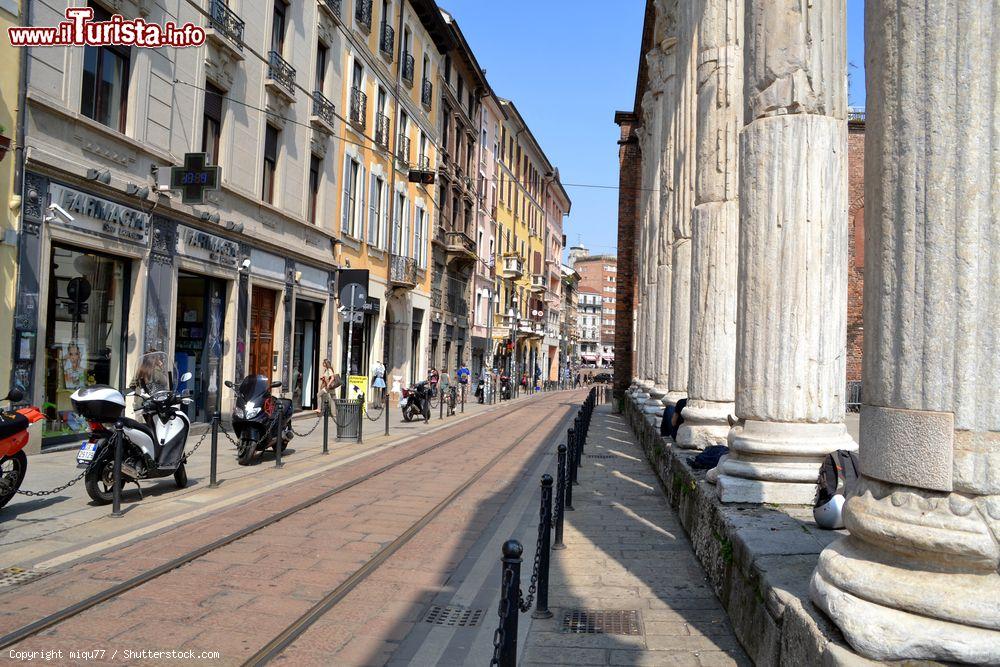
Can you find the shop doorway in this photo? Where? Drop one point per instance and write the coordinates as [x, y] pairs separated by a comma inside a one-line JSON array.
[[198, 340], [262, 355], [305, 359], [85, 334]]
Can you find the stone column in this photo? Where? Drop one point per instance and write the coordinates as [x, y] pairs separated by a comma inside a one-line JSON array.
[[917, 579], [792, 294], [715, 227], [642, 383], [680, 293]]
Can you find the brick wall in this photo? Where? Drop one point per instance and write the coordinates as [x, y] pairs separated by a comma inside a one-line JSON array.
[[856, 246], [629, 164]]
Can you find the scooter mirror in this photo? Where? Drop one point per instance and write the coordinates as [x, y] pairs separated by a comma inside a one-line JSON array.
[[187, 376], [228, 383], [14, 395], [187, 401], [275, 385]]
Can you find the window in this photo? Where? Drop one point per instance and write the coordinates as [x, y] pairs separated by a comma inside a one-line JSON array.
[[315, 169], [397, 226], [322, 55], [404, 215], [353, 178], [105, 81], [447, 69], [376, 211], [420, 238], [211, 128], [278, 27], [270, 163]]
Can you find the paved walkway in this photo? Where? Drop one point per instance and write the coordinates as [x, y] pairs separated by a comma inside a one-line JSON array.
[[626, 550]]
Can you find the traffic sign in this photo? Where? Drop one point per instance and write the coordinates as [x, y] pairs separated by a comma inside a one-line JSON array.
[[194, 178]]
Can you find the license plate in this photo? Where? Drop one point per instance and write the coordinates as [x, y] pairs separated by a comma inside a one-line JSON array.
[[87, 452]]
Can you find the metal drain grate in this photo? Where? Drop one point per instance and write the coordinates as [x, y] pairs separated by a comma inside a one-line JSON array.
[[15, 576], [460, 617], [602, 622], [601, 456]]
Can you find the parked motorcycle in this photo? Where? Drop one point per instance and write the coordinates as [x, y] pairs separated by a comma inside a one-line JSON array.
[[506, 388], [416, 402], [256, 417], [13, 438], [152, 448], [481, 390]]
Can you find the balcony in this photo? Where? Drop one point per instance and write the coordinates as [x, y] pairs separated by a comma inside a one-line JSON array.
[[409, 65], [436, 298], [460, 247], [280, 76], [427, 94], [331, 8], [382, 130], [387, 41], [423, 163], [225, 28], [513, 267], [403, 272], [363, 14], [403, 150], [537, 283], [359, 108], [324, 114]]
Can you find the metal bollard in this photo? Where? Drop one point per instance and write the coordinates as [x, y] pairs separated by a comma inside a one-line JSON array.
[[361, 418], [116, 492], [326, 425], [578, 431], [281, 431], [463, 399], [570, 469], [560, 496], [542, 604], [440, 403], [213, 470], [385, 407], [510, 582]]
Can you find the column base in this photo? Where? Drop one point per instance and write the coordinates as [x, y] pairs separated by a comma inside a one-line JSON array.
[[778, 462], [894, 608], [654, 405], [670, 400], [705, 424]]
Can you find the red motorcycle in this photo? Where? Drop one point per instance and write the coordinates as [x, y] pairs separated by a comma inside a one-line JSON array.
[[13, 438]]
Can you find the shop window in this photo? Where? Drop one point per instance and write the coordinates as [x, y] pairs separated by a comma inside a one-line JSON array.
[[212, 123], [105, 81], [85, 334], [198, 341], [270, 163]]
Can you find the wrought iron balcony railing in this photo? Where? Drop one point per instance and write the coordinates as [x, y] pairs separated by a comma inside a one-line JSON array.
[[363, 13], [423, 163], [227, 22], [332, 7], [382, 130], [324, 109], [359, 108], [403, 149], [403, 270], [427, 93], [279, 70], [387, 41], [409, 65], [436, 297]]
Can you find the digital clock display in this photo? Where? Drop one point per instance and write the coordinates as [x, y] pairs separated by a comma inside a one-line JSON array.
[[194, 178]]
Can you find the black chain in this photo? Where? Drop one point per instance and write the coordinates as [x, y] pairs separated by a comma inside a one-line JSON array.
[[58, 489], [197, 445], [233, 442], [377, 416], [525, 603], [498, 637], [319, 419]]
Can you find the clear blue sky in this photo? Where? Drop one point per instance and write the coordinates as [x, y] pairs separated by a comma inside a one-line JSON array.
[[569, 65]]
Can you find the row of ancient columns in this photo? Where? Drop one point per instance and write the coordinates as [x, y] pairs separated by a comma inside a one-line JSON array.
[[742, 290]]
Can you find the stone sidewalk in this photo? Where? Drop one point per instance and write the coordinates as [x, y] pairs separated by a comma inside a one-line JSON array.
[[626, 551]]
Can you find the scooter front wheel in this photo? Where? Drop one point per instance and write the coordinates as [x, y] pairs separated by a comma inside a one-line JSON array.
[[12, 470], [100, 483], [246, 451], [181, 477]]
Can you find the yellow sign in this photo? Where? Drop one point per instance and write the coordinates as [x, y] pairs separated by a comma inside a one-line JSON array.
[[357, 386]]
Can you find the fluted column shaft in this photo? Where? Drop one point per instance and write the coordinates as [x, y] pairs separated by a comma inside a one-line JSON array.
[[715, 227], [792, 283], [918, 576]]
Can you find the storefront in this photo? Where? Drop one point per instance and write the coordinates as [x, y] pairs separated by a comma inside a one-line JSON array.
[[306, 353]]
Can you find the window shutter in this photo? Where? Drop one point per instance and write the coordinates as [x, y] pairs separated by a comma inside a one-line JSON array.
[[406, 229], [346, 204], [359, 219], [372, 229]]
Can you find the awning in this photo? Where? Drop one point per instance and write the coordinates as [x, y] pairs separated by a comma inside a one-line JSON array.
[[589, 357]]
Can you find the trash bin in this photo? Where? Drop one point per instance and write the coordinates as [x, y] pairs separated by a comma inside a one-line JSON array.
[[347, 417]]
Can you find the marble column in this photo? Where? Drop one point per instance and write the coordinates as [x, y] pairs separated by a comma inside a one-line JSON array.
[[715, 227], [642, 382], [664, 252], [689, 13], [917, 578], [792, 283]]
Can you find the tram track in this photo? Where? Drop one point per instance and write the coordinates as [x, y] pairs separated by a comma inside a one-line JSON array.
[[53, 619]]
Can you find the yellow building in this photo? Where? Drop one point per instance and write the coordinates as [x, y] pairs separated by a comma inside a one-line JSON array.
[[10, 80], [390, 134], [521, 311]]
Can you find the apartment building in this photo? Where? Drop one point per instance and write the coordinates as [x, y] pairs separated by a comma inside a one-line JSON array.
[[589, 314], [599, 275]]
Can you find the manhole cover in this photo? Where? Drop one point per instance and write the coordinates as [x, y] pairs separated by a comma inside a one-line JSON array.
[[602, 622], [461, 617], [601, 456], [14, 576]]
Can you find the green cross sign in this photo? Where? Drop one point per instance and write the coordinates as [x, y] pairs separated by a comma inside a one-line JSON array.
[[194, 178]]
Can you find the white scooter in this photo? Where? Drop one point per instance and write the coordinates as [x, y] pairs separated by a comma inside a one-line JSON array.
[[151, 448]]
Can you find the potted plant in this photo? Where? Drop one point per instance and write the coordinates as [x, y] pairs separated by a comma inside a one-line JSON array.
[[4, 142]]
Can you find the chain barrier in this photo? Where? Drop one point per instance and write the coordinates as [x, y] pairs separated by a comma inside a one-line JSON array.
[[234, 443], [319, 420], [197, 445], [498, 637], [58, 489], [526, 602], [378, 415]]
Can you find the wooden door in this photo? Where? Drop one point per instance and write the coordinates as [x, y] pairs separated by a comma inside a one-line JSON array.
[[261, 331]]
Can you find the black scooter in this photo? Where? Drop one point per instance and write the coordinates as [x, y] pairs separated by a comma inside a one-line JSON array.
[[506, 388], [257, 416], [416, 402]]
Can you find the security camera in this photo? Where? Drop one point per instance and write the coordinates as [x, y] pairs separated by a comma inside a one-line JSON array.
[[56, 209], [246, 264]]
